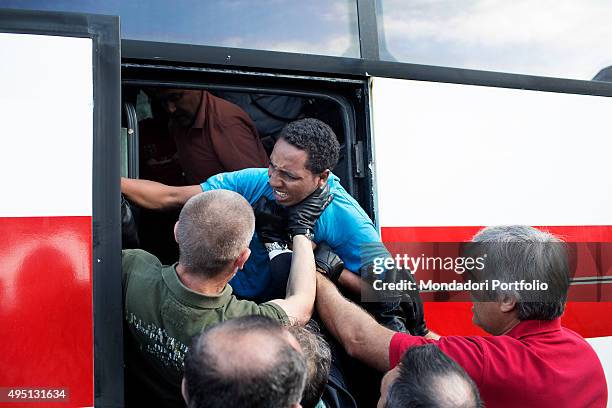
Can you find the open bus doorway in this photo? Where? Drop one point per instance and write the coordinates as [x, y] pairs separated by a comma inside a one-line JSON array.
[[155, 154]]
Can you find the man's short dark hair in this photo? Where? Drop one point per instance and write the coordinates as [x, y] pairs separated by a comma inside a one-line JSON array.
[[518, 252], [244, 362], [428, 378], [317, 139], [318, 361]]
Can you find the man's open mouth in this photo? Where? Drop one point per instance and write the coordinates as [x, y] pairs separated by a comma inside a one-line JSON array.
[[280, 194]]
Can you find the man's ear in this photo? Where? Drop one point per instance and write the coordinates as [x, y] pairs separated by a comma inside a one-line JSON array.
[[175, 227], [507, 304], [242, 258], [184, 391], [323, 177]]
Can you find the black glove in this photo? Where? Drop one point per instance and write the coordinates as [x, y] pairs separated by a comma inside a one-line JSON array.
[[328, 262], [302, 216], [270, 221], [412, 306]]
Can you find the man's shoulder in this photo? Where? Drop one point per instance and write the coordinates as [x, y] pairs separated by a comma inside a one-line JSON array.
[[139, 256], [137, 260], [255, 173], [344, 209], [239, 307], [579, 344], [249, 176], [343, 201], [228, 113]]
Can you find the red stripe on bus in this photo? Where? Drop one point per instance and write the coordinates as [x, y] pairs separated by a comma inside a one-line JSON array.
[[574, 233], [46, 305], [590, 319], [455, 318]]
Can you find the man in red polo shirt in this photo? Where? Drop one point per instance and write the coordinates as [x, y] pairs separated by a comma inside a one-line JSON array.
[[529, 361]]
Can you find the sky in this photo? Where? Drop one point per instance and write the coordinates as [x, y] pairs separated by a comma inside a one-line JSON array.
[[325, 27], [559, 38]]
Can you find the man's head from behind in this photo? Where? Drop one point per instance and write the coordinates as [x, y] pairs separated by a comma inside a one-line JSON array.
[[214, 231], [181, 104], [318, 361], [245, 362], [427, 378], [301, 160], [515, 254]]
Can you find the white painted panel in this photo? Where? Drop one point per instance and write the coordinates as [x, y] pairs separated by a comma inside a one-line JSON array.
[[460, 155], [603, 348], [46, 125]]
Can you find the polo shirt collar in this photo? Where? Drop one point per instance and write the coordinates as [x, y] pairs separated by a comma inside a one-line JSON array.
[[200, 118], [531, 327], [190, 297]]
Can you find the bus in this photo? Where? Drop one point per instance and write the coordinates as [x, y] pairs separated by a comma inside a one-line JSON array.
[[450, 117]]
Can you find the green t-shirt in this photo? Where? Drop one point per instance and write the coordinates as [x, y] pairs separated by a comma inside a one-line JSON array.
[[161, 317]]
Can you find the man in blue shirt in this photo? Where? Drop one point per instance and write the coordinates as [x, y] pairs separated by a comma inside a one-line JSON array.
[[300, 163]]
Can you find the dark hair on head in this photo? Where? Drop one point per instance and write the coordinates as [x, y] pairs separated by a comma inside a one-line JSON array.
[[428, 378], [317, 139], [318, 361], [519, 252], [222, 371]]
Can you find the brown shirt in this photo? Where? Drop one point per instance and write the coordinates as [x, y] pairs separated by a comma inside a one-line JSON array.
[[222, 138]]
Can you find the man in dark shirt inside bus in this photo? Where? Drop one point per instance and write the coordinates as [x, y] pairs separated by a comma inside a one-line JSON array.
[[211, 134]]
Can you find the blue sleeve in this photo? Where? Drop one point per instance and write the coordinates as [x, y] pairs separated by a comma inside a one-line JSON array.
[[249, 183], [347, 229]]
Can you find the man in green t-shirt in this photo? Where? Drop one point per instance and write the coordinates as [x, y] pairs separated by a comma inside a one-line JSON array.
[[165, 306]]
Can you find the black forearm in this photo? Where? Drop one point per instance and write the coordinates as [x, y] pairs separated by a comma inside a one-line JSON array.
[[154, 195]]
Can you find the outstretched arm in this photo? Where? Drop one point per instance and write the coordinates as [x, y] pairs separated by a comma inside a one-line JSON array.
[[301, 284], [157, 196], [360, 335]]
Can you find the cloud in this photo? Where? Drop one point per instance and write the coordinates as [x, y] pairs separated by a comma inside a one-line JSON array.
[[341, 12], [339, 45], [563, 38]]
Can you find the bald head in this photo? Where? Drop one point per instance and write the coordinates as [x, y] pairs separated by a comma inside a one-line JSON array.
[[227, 347], [250, 361], [429, 378], [214, 227], [453, 390]]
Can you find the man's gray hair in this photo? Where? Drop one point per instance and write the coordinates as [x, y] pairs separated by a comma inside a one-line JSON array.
[[248, 361], [518, 252], [213, 228], [318, 361], [429, 378]]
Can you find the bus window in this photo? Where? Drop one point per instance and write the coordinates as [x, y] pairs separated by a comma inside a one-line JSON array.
[[568, 39], [323, 27]]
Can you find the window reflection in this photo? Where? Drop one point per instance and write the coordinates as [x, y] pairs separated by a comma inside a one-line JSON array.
[[324, 27], [558, 38]]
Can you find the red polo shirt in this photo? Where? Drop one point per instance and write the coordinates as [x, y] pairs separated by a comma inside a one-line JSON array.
[[537, 364]]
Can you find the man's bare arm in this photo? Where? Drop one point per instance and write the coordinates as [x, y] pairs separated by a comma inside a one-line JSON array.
[[360, 335], [301, 284], [157, 196]]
